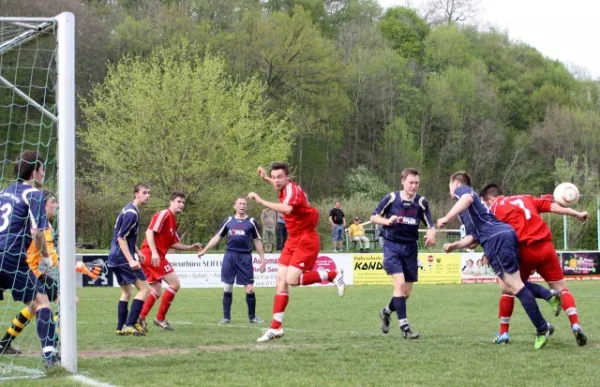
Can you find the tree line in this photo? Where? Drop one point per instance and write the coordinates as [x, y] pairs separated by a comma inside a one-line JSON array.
[[193, 95]]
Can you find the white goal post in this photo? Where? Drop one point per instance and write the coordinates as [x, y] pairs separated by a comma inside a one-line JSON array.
[[65, 119]]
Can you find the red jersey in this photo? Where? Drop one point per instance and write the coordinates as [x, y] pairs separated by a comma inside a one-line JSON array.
[[303, 217], [164, 226], [522, 212]]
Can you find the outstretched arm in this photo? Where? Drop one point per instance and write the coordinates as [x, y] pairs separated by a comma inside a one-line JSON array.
[[462, 204], [261, 253], [556, 208], [279, 207], [465, 242], [211, 244], [263, 175]]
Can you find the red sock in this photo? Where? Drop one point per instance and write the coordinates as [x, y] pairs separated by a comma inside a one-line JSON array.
[[568, 305], [331, 275], [309, 278], [505, 311], [148, 304], [281, 301], [165, 304]]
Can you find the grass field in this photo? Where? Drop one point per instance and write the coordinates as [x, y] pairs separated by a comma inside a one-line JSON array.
[[332, 341]]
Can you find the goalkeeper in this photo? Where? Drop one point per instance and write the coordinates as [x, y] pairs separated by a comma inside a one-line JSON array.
[[39, 266]]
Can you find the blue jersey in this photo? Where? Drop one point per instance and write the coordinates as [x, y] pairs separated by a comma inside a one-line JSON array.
[[478, 221], [240, 233], [126, 227], [22, 209], [410, 214]]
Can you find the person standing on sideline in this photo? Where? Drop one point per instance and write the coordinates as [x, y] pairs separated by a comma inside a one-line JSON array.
[[268, 218], [161, 236], [301, 250], [126, 269], [338, 224], [282, 233], [400, 214], [500, 245], [242, 232]]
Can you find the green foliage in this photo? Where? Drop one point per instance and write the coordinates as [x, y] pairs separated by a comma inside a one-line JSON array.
[[363, 183], [179, 122], [406, 31]]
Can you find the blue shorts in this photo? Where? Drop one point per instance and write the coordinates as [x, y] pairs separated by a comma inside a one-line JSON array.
[[337, 232], [16, 277], [503, 252], [126, 275], [237, 267], [401, 258]]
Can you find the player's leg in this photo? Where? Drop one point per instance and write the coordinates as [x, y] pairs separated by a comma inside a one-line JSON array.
[[18, 324], [391, 265], [143, 290], [167, 298], [245, 277], [506, 306], [155, 293], [410, 275], [304, 259], [280, 301], [228, 274]]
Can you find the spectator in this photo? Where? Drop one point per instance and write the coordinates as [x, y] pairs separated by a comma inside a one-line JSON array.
[[281, 232], [379, 235], [338, 223], [268, 218], [357, 234]]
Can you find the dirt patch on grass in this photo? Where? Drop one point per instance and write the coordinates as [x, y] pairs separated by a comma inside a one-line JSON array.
[[180, 351]]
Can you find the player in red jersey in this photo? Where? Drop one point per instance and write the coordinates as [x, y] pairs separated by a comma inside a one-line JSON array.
[[536, 250], [302, 247], [161, 236]]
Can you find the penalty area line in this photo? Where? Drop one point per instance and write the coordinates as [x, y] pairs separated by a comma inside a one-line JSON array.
[[90, 382]]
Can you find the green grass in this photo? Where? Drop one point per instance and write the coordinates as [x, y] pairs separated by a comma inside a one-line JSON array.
[[334, 341]]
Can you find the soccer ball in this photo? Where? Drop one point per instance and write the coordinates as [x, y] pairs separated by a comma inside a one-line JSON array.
[[566, 194]]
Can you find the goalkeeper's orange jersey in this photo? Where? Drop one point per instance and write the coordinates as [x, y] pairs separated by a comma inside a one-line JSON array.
[[34, 256]]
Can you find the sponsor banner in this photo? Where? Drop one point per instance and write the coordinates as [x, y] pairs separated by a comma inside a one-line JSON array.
[[104, 279], [206, 272], [368, 270], [580, 265], [439, 268]]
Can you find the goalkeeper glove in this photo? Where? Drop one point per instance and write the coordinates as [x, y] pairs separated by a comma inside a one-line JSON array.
[[92, 270]]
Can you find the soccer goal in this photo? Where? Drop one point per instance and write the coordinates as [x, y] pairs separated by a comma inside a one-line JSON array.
[[37, 112]]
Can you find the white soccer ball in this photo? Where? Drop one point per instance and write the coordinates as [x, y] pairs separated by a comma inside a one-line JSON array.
[[566, 194]]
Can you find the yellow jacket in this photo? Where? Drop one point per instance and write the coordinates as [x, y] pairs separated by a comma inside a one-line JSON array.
[[356, 230], [34, 256]]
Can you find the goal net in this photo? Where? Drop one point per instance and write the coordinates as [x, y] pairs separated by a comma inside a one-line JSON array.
[[37, 113]]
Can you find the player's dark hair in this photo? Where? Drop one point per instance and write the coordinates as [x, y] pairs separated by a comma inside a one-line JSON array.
[[492, 190], [407, 172], [279, 165], [27, 163], [463, 177], [140, 186], [48, 195], [175, 195]]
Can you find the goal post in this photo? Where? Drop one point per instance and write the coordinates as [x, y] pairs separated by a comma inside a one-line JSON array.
[[54, 119]]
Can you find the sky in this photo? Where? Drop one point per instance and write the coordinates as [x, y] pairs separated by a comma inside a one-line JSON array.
[[565, 30]]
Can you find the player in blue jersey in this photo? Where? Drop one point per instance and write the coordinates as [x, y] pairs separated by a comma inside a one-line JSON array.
[[400, 214], [126, 269], [241, 232], [500, 245], [22, 222]]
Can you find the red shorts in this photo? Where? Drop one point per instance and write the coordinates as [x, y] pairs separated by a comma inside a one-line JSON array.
[[540, 257], [156, 273], [301, 251]]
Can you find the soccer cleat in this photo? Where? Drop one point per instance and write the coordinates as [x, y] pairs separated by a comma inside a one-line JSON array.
[[224, 321], [339, 282], [502, 338], [131, 330], [164, 325], [120, 332], [9, 350], [555, 302], [271, 334], [256, 320], [51, 361], [580, 335], [542, 338], [408, 334], [385, 321], [141, 325]]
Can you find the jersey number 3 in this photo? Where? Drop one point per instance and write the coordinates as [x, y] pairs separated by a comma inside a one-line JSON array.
[[5, 212]]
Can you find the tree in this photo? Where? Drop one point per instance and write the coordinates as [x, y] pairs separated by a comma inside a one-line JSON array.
[[451, 11], [406, 32], [180, 122]]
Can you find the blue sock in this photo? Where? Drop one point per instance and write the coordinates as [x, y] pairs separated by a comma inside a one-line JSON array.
[[531, 308], [122, 314], [46, 330], [391, 306], [134, 313], [400, 306], [251, 301], [227, 300], [539, 291]]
